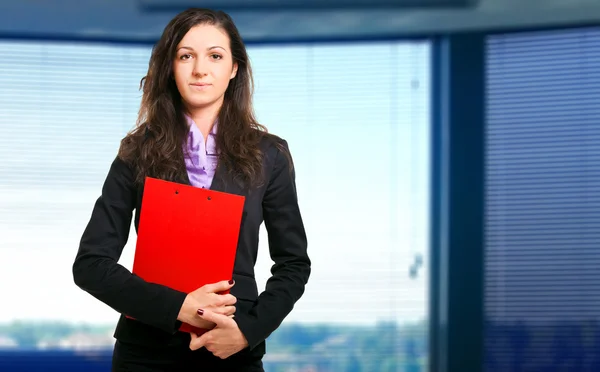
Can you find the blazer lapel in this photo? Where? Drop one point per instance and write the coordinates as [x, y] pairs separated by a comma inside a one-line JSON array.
[[222, 181], [218, 182]]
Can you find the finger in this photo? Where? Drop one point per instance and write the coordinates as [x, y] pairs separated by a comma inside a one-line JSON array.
[[218, 286], [198, 342], [230, 310], [193, 340], [217, 300], [219, 319], [227, 299], [224, 310]]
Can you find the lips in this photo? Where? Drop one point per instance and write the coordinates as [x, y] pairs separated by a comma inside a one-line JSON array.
[[200, 87]]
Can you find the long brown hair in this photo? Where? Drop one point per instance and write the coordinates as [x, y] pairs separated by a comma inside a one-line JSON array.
[[155, 147]]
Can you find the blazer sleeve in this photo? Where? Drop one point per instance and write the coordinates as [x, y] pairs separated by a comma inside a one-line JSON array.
[[288, 249], [96, 269]]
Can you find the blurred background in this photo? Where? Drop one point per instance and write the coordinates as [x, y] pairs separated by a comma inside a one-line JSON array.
[[467, 132]]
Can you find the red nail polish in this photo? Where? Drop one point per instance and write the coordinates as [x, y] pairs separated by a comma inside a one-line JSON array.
[[231, 282], [200, 312]]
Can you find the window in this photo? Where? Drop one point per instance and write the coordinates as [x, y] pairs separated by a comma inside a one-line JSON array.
[[542, 221], [356, 117]]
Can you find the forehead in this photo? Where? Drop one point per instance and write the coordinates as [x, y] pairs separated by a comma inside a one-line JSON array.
[[205, 36]]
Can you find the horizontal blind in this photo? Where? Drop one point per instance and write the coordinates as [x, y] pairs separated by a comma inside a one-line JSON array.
[[64, 107], [360, 146], [542, 227], [362, 175]]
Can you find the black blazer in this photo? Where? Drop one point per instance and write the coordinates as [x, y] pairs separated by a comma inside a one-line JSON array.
[[156, 307]]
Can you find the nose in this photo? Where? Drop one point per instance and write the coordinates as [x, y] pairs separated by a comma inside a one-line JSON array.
[[199, 68]]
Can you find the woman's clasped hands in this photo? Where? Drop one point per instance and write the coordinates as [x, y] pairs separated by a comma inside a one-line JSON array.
[[208, 309], [207, 297]]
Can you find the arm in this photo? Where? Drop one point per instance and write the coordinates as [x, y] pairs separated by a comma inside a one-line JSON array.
[[288, 249], [96, 270]]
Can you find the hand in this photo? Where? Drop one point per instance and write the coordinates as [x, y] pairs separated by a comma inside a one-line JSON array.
[[207, 297], [224, 340]]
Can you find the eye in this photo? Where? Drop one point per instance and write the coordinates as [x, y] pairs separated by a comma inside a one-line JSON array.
[[185, 56], [216, 56]]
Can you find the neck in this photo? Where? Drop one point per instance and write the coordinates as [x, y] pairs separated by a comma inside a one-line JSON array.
[[205, 117]]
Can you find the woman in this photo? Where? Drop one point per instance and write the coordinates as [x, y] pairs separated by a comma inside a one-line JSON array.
[[196, 126]]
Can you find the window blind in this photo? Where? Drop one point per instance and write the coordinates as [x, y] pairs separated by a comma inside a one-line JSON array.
[[542, 228], [360, 141]]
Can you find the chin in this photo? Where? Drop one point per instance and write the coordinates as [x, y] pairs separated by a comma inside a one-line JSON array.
[[200, 103]]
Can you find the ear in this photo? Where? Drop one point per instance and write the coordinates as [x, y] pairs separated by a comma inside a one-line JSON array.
[[234, 71]]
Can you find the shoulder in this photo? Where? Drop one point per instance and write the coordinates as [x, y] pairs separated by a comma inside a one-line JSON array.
[[275, 149], [129, 155], [277, 159], [122, 170], [271, 142]]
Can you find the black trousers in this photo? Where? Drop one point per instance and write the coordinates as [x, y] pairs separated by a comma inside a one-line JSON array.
[[177, 356]]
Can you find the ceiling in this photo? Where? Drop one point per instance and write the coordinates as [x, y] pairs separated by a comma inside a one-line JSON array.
[[143, 20]]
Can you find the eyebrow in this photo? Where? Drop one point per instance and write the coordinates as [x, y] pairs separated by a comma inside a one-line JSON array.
[[192, 49]]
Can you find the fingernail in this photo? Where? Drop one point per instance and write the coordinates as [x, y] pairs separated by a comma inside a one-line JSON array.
[[200, 312], [231, 282]]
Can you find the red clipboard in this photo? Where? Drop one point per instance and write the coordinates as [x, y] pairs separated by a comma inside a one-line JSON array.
[[187, 236]]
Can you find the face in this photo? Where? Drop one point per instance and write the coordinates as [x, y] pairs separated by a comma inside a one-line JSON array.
[[203, 67]]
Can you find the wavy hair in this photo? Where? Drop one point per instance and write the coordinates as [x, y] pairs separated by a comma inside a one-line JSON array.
[[155, 146]]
